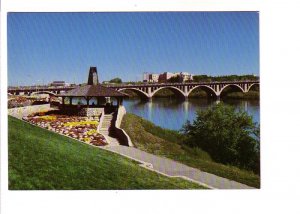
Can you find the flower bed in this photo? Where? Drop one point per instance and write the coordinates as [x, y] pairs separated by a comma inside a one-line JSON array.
[[80, 128]]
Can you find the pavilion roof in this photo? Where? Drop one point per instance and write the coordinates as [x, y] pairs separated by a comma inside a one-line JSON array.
[[92, 91]]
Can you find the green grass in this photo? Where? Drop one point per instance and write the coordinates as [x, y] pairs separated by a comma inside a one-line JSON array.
[[156, 140], [40, 159]]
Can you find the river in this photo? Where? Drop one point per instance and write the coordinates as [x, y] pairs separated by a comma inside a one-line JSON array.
[[171, 113]]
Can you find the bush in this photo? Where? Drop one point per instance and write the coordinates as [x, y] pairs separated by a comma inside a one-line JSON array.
[[116, 80], [229, 137]]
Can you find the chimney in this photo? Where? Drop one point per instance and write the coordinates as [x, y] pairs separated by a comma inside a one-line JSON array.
[[93, 76]]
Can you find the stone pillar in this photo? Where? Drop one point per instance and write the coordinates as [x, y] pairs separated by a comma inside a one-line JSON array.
[[185, 89], [218, 89], [149, 91]]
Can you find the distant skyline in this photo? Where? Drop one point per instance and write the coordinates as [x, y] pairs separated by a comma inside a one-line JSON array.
[[45, 47]]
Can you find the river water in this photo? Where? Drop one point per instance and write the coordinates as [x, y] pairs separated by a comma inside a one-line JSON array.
[[172, 113]]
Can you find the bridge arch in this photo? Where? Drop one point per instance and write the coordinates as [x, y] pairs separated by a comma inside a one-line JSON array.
[[43, 92], [252, 85], [230, 85], [206, 88], [139, 92], [175, 90]]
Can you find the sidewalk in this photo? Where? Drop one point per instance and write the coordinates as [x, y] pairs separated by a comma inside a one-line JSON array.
[[173, 168]]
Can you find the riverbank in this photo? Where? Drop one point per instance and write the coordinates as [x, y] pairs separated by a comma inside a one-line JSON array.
[[168, 143], [42, 160], [251, 95]]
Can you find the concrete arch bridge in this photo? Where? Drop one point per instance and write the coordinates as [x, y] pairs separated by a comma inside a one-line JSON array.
[[183, 90], [148, 90]]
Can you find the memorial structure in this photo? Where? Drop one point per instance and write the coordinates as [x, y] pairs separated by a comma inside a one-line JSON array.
[[97, 98]]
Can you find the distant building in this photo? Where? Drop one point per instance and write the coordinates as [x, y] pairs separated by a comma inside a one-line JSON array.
[[59, 83], [153, 77], [164, 77], [150, 77], [184, 76], [145, 77]]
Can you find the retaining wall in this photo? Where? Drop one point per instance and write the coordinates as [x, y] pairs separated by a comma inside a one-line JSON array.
[[122, 135], [27, 110]]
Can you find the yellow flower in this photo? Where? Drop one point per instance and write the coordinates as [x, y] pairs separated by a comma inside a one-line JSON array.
[[80, 123], [86, 139], [48, 117], [91, 132]]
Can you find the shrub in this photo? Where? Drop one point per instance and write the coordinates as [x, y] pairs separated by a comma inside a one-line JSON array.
[[230, 137]]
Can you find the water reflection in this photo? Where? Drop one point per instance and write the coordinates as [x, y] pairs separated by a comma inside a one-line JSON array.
[[172, 113]]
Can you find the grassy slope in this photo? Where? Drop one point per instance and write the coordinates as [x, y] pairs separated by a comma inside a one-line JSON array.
[[40, 159], [153, 139]]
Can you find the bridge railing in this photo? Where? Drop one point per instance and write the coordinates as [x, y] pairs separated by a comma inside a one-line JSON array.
[[176, 84]]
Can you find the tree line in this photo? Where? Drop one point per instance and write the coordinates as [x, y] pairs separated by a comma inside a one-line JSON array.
[[206, 78]]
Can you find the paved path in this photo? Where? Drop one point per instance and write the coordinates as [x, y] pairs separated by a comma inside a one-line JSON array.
[[173, 168]]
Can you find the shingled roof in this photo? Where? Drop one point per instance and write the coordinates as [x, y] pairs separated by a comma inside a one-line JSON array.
[[93, 91], [93, 88]]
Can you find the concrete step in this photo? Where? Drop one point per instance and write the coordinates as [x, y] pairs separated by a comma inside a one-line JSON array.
[[106, 125], [104, 133]]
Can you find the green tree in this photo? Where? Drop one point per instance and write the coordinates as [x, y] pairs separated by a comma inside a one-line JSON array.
[[174, 79], [230, 137], [116, 80], [205, 78]]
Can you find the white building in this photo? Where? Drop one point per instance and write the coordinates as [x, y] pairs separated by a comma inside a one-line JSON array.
[[184, 76], [164, 77], [150, 77]]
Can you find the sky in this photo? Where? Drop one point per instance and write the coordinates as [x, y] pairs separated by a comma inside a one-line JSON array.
[[44, 47]]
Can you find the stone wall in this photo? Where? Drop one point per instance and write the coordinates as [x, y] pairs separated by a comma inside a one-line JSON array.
[[91, 112], [27, 110]]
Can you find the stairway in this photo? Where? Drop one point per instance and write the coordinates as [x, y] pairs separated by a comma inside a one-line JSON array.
[[107, 129]]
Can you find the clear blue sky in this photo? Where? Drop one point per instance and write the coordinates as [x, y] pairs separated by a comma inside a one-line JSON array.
[[43, 47]]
